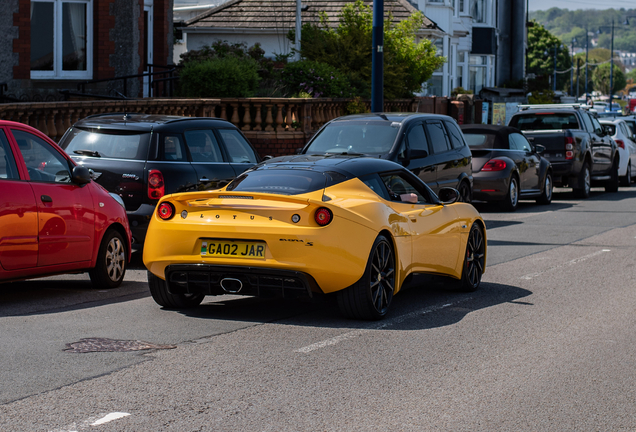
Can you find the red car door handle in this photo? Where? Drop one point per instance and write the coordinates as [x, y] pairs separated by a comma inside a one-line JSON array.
[[46, 198]]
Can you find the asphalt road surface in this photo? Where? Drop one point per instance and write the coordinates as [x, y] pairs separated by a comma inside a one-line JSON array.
[[546, 344]]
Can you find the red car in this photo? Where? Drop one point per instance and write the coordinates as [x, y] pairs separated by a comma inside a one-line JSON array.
[[53, 218]]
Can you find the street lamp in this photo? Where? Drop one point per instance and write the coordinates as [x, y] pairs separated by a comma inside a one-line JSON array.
[[611, 84], [572, 67], [587, 46]]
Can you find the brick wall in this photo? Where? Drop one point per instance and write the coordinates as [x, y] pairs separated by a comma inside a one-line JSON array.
[[22, 45]]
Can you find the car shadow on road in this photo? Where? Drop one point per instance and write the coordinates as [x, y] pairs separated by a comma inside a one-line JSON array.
[[44, 296], [424, 303]]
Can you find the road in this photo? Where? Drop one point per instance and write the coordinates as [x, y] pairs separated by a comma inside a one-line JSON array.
[[547, 343]]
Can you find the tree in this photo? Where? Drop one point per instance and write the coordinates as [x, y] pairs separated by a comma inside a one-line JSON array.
[[601, 79], [348, 48], [541, 46]]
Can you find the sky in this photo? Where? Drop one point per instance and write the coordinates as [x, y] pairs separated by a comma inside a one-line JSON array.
[[581, 4]]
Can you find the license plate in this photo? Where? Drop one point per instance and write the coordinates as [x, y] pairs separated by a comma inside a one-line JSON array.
[[233, 249]]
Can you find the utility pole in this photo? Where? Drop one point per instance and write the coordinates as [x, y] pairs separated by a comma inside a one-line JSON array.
[[298, 27], [611, 89], [572, 66], [586, 52], [577, 79], [555, 67], [377, 57]]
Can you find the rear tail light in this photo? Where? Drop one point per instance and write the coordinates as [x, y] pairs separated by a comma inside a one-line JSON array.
[[494, 165], [165, 211], [569, 147], [620, 143], [155, 184], [323, 216]]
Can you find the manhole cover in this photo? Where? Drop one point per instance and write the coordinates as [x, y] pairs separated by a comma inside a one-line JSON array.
[[112, 345]]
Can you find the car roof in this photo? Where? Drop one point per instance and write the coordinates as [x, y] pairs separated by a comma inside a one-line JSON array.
[[352, 166], [394, 117], [148, 122], [490, 129]]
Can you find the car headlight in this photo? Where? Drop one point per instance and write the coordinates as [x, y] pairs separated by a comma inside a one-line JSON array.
[[118, 199]]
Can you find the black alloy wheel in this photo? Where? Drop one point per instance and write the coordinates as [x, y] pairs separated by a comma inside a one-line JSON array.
[[474, 260], [371, 296], [464, 192], [546, 194], [159, 291]]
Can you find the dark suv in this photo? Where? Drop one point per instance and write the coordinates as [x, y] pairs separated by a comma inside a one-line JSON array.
[[430, 145], [143, 157]]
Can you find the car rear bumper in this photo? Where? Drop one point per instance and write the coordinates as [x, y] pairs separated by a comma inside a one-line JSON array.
[[488, 186], [252, 281]]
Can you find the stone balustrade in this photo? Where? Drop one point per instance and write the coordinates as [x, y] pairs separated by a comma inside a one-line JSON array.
[[275, 125]]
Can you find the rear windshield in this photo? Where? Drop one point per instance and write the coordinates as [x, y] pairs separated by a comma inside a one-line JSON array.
[[106, 144], [284, 181], [545, 121], [480, 141], [355, 137]]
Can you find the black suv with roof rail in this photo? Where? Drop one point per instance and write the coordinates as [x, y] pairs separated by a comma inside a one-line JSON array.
[[430, 145], [142, 157]]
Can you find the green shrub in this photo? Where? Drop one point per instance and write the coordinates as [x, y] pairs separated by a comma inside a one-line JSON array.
[[219, 77], [315, 79]]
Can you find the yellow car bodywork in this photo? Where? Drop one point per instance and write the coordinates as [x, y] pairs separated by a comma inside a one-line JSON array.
[[426, 238]]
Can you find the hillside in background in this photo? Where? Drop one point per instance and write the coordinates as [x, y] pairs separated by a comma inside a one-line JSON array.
[[568, 24]]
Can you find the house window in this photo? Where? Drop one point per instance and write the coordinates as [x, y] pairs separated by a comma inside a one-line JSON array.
[[61, 43], [478, 11], [477, 73]]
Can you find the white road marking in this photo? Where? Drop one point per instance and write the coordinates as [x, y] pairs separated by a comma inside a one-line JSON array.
[[93, 421], [384, 324], [569, 263], [110, 417]]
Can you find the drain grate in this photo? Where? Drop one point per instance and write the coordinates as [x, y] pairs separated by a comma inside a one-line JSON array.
[[112, 345]]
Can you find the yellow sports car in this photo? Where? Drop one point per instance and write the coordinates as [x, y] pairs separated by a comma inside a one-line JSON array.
[[309, 225]]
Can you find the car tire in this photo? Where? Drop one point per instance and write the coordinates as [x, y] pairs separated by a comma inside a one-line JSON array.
[[464, 192], [112, 257], [159, 291], [626, 180], [474, 261], [511, 202], [613, 183], [371, 296], [585, 179], [546, 194]]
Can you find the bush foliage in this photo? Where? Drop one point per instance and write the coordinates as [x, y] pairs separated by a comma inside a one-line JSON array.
[[314, 79], [219, 77]]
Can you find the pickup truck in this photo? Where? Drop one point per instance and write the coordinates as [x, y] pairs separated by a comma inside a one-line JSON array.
[[581, 152]]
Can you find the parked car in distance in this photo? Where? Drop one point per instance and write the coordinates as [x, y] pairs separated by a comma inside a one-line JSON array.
[[580, 151], [143, 157], [307, 226], [53, 218], [625, 140], [430, 145], [506, 167]]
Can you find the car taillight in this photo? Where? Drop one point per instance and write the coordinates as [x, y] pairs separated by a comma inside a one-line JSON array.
[[165, 211], [620, 143], [155, 184], [323, 216], [494, 165], [569, 147]]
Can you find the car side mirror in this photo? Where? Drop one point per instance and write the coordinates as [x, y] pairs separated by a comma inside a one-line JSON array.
[[417, 153], [81, 175], [539, 149], [299, 150], [448, 195], [268, 157]]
